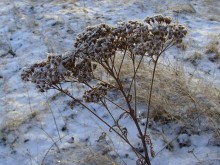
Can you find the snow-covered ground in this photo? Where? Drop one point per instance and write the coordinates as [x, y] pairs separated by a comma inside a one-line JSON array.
[[40, 128]]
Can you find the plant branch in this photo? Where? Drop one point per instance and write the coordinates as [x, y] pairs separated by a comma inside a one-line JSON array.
[[103, 121], [150, 95]]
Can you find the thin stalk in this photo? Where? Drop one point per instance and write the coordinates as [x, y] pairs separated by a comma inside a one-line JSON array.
[[119, 70], [41, 128], [54, 119], [108, 98], [149, 100], [133, 116], [117, 124], [170, 44], [50, 149], [113, 64], [106, 107], [135, 74], [135, 87], [115, 104]]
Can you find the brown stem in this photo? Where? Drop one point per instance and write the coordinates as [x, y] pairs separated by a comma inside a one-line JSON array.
[[108, 68], [135, 74], [170, 44], [107, 97], [119, 70], [133, 116], [135, 87], [116, 122], [113, 64], [149, 100]]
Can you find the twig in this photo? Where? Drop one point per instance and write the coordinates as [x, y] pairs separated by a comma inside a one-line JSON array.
[[55, 122], [50, 149]]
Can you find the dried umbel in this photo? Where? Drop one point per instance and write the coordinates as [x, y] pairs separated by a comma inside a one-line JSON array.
[[141, 38], [97, 93], [46, 74], [100, 46], [56, 70]]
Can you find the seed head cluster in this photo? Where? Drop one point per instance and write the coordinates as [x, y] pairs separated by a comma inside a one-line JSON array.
[[45, 74], [140, 38], [97, 93], [99, 43]]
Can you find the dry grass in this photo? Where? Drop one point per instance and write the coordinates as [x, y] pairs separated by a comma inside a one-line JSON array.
[[182, 8], [213, 48], [78, 154], [17, 119], [205, 11], [195, 58], [99, 159], [10, 129]]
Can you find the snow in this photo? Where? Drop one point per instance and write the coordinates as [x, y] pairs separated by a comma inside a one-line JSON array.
[[28, 121]]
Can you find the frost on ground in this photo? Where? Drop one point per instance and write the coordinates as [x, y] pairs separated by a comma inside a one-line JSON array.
[[42, 129]]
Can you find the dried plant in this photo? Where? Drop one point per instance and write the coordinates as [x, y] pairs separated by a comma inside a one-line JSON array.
[[99, 47]]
